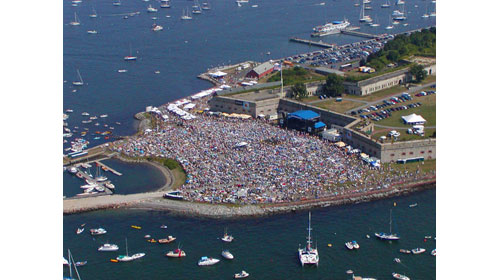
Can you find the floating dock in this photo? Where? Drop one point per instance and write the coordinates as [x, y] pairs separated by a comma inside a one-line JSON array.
[[313, 43]]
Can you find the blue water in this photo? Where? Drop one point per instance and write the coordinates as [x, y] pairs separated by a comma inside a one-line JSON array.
[[224, 35], [264, 247]]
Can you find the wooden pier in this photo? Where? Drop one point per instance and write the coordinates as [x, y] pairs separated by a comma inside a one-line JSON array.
[[313, 43], [107, 168], [359, 34]]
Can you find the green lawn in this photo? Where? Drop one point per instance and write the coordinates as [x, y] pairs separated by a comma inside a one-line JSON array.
[[425, 166], [404, 136], [340, 107]]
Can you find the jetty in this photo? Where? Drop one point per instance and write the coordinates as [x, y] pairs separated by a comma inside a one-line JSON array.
[[352, 32], [107, 168], [313, 43]]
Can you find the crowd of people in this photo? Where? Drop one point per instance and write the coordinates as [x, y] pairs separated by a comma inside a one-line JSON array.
[[230, 160]]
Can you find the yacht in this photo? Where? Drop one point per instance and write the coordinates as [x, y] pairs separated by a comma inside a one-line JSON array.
[[92, 31], [400, 276], [165, 4], [185, 15], [330, 28], [417, 251], [387, 4], [167, 240], [98, 231], [108, 248], [227, 237], [226, 254], [308, 255], [390, 235], [349, 245], [363, 17], [117, 3], [205, 6], [76, 21], [130, 57], [177, 253], [204, 261], [242, 274], [157, 27], [397, 260]]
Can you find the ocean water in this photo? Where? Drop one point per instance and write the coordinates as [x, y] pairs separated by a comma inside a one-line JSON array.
[[265, 247], [226, 34]]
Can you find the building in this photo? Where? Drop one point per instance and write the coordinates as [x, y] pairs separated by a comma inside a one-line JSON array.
[[261, 70], [255, 104], [304, 120], [377, 83]]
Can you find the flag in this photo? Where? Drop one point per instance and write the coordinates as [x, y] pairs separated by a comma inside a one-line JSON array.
[[277, 67]]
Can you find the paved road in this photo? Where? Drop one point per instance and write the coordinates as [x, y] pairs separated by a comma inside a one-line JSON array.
[[398, 127]]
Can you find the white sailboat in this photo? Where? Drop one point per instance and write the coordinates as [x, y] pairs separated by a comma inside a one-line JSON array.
[[375, 24], [185, 15], [390, 235], [117, 3], [165, 4], [362, 16], [426, 15], [399, 14], [433, 13], [75, 22], [151, 9], [80, 80], [94, 13], [205, 6], [127, 258], [130, 56], [387, 4], [308, 255]]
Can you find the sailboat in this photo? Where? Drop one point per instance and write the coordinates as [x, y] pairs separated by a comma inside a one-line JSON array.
[[426, 15], [387, 4], [308, 255], [390, 235], [185, 15], [99, 177], [130, 57], [80, 80], [94, 13], [375, 24], [399, 15], [362, 16], [227, 237], [76, 21], [71, 261], [117, 3], [127, 258], [196, 8], [165, 4], [205, 6], [433, 13]]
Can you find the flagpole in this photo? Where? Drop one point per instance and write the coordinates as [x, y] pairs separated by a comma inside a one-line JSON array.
[[281, 74]]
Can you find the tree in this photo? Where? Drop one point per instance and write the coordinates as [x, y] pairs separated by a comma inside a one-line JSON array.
[[299, 91], [393, 56], [362, 62], [334, 85], [418, 72]]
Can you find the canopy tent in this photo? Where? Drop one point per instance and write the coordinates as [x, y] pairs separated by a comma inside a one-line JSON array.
[[189, 106], [241, 144], [319, 125], [340, 144], [218, 74], [413, 119]]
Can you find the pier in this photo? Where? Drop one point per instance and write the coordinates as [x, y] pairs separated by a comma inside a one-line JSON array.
[[107, 168], [313, 43], [359, 34]]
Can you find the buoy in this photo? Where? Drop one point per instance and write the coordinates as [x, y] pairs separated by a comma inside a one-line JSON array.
[[395, 204], [329, 245]]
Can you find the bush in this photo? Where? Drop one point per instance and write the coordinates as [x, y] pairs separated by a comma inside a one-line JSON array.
[[171, 163]]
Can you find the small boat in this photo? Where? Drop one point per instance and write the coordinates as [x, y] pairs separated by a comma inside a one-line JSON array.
[[80, 230], [400, 276], [413, 205], [355, 244], [227, 237], [69, 111], [65, 261], [157, 27], [122, 71], [94, 13], [165, 4], [404, 251], [163, 226], [98, 231], [226, 254], [152, 240], [130, 57], [85, 114], [108, 248], [417, 251], [92, 31], [151, 9], [114, 260], [117, 3], [397, 260], [127, 258], [166, 240], [76, 22], [205, 6], [205, 261], [80, 80], [367, 236], [81, 263], [157, 72], [177, 253], [433, 252], [175, 195], [147, 236], [185, 15], [390, 235], [349, 272], [104, 116], [255, 6], [242, 274], [349, 245]]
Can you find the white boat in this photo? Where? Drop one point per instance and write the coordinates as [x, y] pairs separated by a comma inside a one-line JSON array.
[[80, 80], [227, 237], [163, 226], [205, 261], [387, 4], [85, 114], [308, 255], [205, 6], [255, 6], [349, 245], [399, 15], [109, 185], [400, 276], [117, 3], [94, 13], [127, 258], [73, 169], [177, 253], [388, 27], [79, 230], [151, 9], [122, 70], [433, 252], [130, 56], [227, 255], [185, 15], [75, 22], [65, 261], [103, 116], [92, 31], [165, 4], [242, 274], [157, 27], [390, 235], [98, 231], [108, 248], [363, 17], [238, 3], [413, 205], [397, 260], [355, 244], [404, 251], [375, 24], [330, 28], [417, 251]]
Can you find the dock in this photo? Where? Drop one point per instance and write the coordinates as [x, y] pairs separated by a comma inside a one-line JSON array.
[[107, 168], [86, 176], [352, 32], [313, 43]]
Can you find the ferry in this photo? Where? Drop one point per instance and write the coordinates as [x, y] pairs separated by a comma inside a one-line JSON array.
[[330, 28]]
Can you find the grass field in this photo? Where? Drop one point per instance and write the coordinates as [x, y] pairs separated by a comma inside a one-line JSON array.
[[340, 107], [425, 166], [404, 136], [427, 111]]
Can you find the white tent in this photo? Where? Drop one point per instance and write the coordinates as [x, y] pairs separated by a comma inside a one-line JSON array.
[[218, 74], [413, 119]]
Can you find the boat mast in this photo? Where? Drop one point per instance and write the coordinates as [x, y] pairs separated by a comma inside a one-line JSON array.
[[79, 76], [309, 235], [390, 221], [362, 16], [69, 260], [76, 270], [126, 246], [281, 78]]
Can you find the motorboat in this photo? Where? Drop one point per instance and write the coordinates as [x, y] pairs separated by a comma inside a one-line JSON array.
[[417, 251], [151, 9], [165, 4], [177, 253], [413, 205], [109, 185], [205, 261], [404, 251], [147, 236], [92, 31], [242, 274], [117, 3], [349, 245], [103, 116], [227, 237], [122, 70], [349, 271], [362, 278], [205, 6], [175, 195], [400, 276], [81, 263], [79, 230], [308, 255], [433, 252], [166, 240], [226, 254], [98, 231], [355, 244], [85, 114], [428, 237], [157, 27], [397, 260], [108, 248], [163, 226]]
